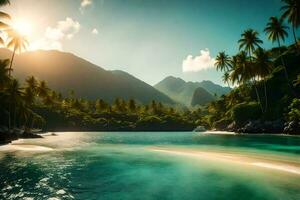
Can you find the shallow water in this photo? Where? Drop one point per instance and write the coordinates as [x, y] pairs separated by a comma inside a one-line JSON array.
[[151, 166]]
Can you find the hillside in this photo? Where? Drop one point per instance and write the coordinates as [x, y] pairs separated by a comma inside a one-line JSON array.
[[64, 72], [182, 91], [201, 97]]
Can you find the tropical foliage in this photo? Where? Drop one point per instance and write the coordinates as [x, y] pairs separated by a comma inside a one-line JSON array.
[[260, 75]]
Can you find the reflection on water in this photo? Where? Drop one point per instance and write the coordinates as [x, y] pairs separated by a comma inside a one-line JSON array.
[[124, 166]]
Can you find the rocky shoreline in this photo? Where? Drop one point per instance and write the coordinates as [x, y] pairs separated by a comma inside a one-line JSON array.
[[259, 126], [251, 127], [7, 137]]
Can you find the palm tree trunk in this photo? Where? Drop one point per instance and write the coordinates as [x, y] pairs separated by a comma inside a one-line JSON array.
[[15, 110], [283, 63], [32, 123], [295, 37], [258, 97], [11, 62], [254, 83], [9, 117], [285, 69]]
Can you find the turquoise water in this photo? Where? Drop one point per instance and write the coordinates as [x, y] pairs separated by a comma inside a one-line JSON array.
[[127, 166]]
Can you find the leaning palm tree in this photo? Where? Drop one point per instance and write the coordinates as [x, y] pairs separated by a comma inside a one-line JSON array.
[[291, 12], [263, 68], [17, 42], [222, 61], [276, 32]]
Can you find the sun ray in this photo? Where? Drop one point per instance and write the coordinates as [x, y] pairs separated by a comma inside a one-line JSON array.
[[23, 27]]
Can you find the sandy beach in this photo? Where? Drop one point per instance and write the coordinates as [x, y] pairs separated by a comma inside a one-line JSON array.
[[49, 142], [63, 141], [271, 163]]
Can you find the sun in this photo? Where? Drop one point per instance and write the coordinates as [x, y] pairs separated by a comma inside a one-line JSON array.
[[23, 27]]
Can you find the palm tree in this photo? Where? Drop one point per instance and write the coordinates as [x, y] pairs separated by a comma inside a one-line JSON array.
[[222, 61], [249, 42], [43, 89], [32, 83], [226, 78], [276, 32], [291, 12], [29, 96], [234, 75], [263, 68], [4, 2], [4, 78], [241, 72], [14, 97], [17, 42]]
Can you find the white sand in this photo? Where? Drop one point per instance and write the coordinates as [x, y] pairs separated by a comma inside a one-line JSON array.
[[49, 142], [219, 133], [283, 166], [24, 147]]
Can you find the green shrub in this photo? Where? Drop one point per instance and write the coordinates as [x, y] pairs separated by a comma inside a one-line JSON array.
[[243, 112], [294, 111]]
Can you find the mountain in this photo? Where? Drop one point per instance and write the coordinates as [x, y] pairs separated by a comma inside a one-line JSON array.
[[65, 71], [182, 91], [201, 97]]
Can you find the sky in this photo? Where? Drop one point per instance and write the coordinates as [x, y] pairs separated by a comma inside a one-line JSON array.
[[150, 39]]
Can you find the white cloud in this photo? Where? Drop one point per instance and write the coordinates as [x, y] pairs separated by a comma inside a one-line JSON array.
[[68, 25], [198, 63], [95, 31], [85, 3], [53, 37]]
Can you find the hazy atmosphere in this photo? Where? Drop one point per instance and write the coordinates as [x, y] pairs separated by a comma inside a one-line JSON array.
[[149, 39], [150, 99]]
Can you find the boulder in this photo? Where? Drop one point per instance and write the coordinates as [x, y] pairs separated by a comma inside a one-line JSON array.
[[232, 127], [292, 127], [255, 126]]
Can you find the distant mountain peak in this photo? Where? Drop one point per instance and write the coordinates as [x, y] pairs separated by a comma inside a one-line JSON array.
[[182, 91], [65, 71]]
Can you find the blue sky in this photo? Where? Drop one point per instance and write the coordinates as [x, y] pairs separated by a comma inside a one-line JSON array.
[[148, 38]]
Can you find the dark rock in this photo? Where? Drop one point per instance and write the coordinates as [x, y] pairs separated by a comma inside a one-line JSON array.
[[253, 127], [221, 124], [292, 127], [30, 135], [232, 127]]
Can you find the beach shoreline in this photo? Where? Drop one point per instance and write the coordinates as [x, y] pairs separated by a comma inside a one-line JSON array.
[[234, 158]]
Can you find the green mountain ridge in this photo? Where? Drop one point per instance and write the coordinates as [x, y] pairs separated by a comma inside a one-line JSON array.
[[182, 91], [64, 72], [201, 97]]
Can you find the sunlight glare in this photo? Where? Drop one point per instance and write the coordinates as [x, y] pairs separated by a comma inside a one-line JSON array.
[[23, 27]]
